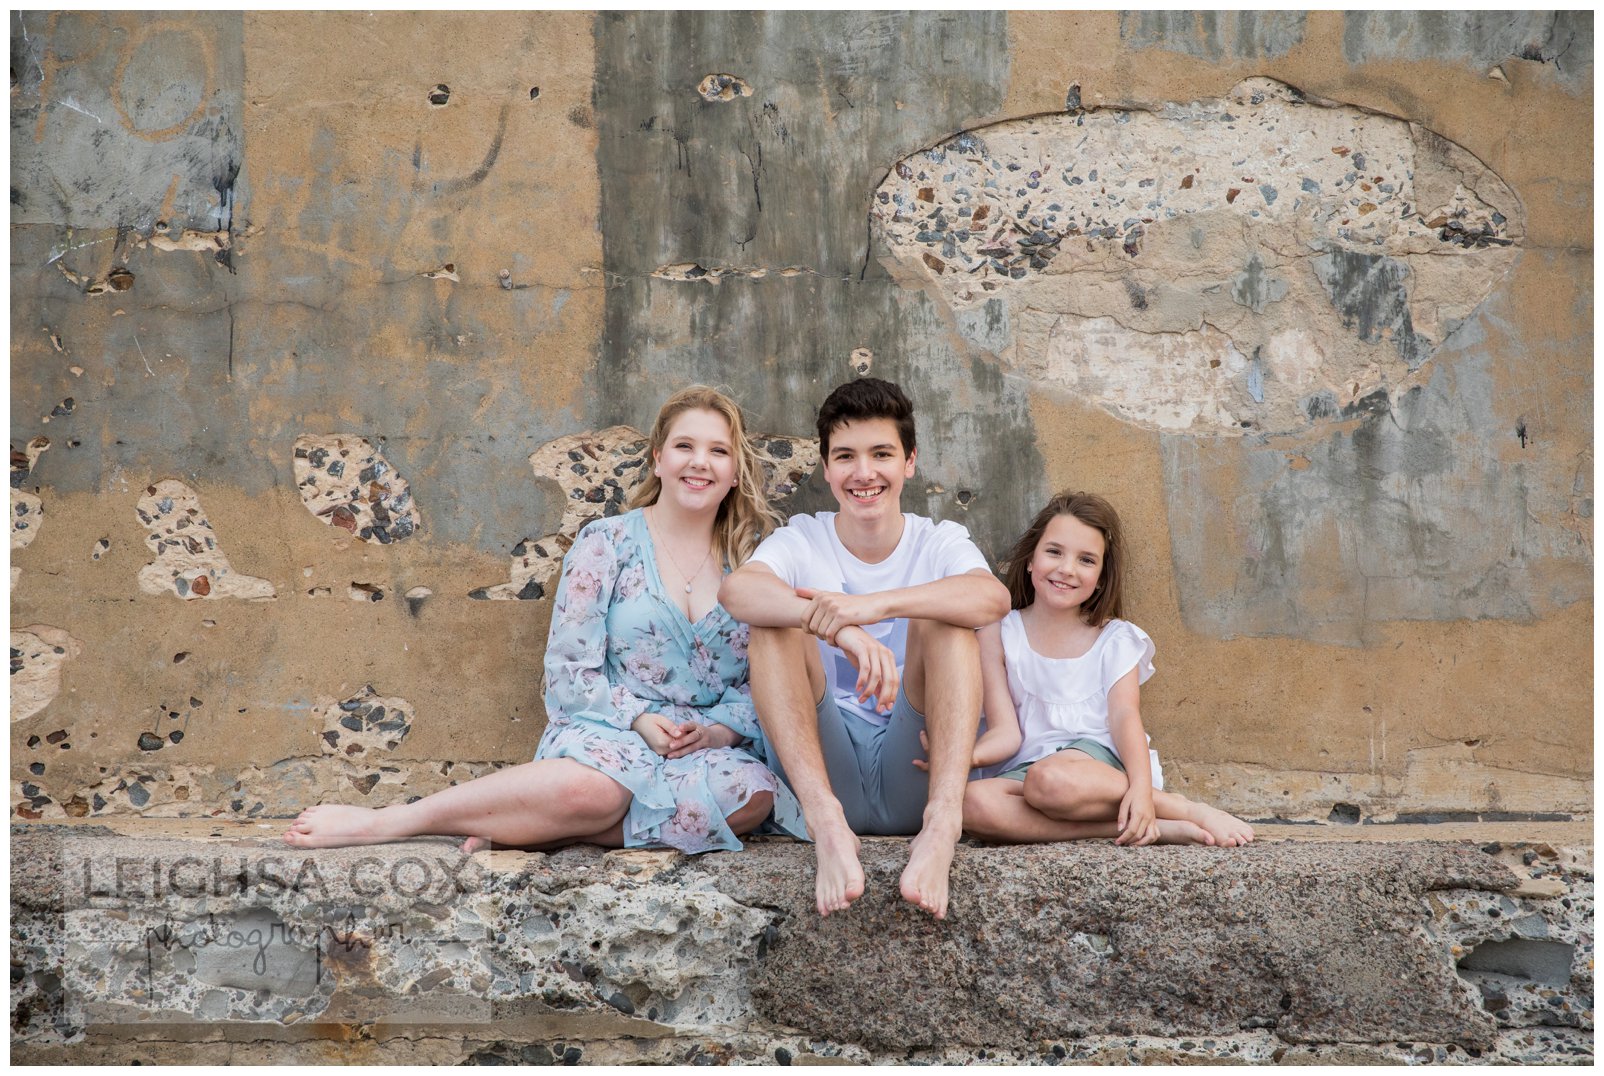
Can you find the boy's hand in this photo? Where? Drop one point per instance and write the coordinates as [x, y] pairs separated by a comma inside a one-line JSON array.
[[1138, 823], [829, 611], [878, 676]]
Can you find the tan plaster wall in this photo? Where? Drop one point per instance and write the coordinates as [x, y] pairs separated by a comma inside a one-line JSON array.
[[343, 319]]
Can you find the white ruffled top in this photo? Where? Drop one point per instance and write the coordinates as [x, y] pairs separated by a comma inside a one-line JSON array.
[[1064, 699]]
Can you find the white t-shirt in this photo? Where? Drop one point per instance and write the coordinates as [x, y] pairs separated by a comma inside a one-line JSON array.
[[1064, 699], [806, 552]]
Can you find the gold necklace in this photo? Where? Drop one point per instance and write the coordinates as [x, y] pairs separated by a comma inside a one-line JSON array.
[[671, 558]]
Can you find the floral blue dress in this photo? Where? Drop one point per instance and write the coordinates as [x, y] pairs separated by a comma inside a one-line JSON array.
[[619, 648]]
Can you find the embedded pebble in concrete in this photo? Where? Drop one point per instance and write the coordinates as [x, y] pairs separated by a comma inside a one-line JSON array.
[[346, 482], [38, 652], [27, 513], [362, 723], [596, 472], [1291, 255], [723, 88], [189, 559]]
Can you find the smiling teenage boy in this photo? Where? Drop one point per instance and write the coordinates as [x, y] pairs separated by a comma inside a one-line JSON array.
[[893, 600]]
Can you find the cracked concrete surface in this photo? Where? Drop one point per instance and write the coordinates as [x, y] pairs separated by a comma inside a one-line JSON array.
[[217, 931], [1254, 263]]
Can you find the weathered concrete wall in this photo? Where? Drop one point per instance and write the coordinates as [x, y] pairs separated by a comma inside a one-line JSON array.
[[310, 314]]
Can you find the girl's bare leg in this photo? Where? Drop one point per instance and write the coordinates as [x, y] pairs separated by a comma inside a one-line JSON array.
[[995, 810], [535, 803], [747, 818], [1073, 787]]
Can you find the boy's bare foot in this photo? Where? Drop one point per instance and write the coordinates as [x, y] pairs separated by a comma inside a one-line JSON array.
[[473, 844], [1178, 831], [336, 826], [1228, 830], [925, 878], [838, 874]]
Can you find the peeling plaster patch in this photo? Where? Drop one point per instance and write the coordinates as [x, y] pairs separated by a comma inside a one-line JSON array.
[[1174, 381], [362, 723], [347, 483], [37, 654], [448, 271], [189, 560], [861, 361], [23, 463], [364, 592], [213, 243], [793, 460], [712, 274], [27, 514], [1263, 217], [596, 471], [723, 88]]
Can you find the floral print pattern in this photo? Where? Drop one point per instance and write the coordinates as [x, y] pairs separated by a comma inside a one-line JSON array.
[[619, 648]]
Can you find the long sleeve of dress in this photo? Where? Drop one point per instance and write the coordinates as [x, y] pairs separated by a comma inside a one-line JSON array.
[[577, 686]]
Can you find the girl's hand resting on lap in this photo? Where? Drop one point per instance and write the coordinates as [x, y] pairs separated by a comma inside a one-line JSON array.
[[674, 739], [1138, 823]]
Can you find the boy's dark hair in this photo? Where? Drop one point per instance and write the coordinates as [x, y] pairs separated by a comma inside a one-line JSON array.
[[866, 397], [1095, 512]]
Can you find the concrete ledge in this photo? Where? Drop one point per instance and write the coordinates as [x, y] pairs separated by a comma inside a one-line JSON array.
[[185, 940]]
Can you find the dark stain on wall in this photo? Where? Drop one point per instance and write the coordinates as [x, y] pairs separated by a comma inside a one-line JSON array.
[[1214, 35], [781, 181], [1477, 38], [1371, 293], [1407, 514]]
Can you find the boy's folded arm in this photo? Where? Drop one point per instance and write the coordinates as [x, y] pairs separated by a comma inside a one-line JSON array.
[[971, 600], [754, 594]]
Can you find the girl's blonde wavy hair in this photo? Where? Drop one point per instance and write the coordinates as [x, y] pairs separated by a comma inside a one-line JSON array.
[[744, 516]]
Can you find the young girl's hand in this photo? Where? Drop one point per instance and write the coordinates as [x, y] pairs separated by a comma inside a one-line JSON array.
[[1138, 823]]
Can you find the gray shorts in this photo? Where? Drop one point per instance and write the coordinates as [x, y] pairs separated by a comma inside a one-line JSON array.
[[1087, 746], [871, 768]]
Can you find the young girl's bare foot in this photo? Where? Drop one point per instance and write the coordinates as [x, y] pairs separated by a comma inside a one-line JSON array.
[[335, 826], [925, 878], [1178, 831], [839, 875], [1228, 830]]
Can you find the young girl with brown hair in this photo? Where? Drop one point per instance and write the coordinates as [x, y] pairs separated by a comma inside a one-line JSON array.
[[1062, 685]]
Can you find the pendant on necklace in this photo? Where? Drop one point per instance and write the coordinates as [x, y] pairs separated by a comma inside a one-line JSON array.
[[687, 588]]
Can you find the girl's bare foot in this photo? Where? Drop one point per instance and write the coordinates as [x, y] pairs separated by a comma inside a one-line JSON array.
[[838, 874], [1228, 830], [473, 844], [336, 826], [1178, 831]]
